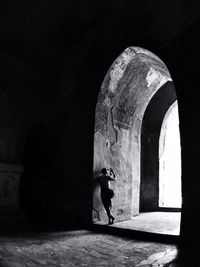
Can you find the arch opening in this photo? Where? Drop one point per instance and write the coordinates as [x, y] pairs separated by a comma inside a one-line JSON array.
[[170, 161]]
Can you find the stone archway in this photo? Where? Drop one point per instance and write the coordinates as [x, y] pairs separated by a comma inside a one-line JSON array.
[[129, 85]]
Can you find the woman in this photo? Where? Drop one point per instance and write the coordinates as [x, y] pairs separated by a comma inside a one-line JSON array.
[[106, 192]]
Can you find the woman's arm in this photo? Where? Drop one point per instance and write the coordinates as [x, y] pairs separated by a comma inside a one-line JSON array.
[[113, 174]]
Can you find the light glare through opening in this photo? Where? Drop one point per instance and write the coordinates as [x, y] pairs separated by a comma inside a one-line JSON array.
[[170, 161]]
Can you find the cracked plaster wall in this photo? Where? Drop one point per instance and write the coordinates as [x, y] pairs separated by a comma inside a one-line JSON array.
[[129, 85]]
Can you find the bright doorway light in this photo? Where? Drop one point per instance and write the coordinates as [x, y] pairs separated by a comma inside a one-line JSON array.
[[170, 160]]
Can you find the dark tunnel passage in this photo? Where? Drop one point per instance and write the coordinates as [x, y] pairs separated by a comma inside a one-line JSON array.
[[53, 165], [33, 179]]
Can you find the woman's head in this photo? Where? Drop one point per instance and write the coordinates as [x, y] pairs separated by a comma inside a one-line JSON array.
[[104, 171]]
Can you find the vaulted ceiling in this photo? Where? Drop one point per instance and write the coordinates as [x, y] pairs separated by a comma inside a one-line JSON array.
[[55, 44]]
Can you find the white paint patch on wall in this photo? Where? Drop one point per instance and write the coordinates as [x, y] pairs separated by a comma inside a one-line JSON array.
[[106, 101], [154, 77], [119, 67]]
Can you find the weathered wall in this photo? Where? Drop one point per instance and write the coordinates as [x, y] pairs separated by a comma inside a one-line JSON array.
[[128, 87]]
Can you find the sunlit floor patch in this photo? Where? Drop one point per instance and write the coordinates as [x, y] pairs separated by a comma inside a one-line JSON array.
[[154, 222]]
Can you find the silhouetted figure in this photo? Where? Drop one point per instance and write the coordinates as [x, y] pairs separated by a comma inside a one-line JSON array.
[[106, 192]]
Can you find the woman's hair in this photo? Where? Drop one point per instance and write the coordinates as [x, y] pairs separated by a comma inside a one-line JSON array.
[[104, 171]]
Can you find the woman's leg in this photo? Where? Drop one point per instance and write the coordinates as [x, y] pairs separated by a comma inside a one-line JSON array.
[[108, 205], [110, 216], [107, 208]]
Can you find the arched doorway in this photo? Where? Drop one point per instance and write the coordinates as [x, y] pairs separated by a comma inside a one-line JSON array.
[[152, 145], [136, 83], [170, 195]]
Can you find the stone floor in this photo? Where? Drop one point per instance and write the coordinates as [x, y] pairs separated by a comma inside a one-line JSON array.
[[89, 246], [80, 248]]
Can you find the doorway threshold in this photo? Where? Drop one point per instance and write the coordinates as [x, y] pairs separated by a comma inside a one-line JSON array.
[[163, 226]]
